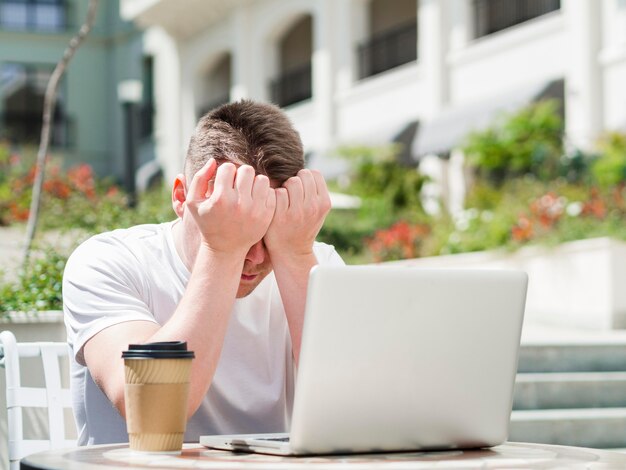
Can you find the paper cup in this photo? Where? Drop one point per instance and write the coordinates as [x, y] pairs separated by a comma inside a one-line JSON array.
[[156, 395]]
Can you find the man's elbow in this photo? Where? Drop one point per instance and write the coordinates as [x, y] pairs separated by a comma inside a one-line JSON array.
[[115, 393]]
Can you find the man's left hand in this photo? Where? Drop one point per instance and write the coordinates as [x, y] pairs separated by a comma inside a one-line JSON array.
[[302, 204]]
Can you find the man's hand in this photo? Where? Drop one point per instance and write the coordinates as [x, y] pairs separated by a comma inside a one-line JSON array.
[[231, 206], [301, 207]]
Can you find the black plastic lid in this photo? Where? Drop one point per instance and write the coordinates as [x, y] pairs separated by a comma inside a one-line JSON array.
[[162, 350]]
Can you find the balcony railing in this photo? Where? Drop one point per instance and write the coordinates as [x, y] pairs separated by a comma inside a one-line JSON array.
[[491, 16], [292, 86], [388, 50], [24, 127]]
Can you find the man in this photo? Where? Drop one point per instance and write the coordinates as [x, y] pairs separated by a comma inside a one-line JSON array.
[[229, 276]]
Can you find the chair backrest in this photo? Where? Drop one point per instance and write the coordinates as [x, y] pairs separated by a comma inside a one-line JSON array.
[[51, 396]]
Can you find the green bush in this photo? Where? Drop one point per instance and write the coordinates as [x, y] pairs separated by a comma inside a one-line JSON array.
[[38, 286], [526, 142], [377, 173], [609, 169]]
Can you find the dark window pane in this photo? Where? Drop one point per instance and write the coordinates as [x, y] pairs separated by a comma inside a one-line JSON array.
[[22, 89], [292, 86], [491, 16], [388, 50]]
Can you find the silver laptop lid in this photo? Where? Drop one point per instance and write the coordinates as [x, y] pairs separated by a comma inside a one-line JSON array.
[[399, 358]]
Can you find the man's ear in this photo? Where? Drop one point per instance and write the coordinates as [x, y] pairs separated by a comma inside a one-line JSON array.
[[179, 195]]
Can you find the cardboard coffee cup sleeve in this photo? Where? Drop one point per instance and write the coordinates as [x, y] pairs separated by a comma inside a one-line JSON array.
[[156, 408]]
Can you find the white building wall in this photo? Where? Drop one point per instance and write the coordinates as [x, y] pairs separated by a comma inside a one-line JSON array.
[[377, 108], [509, 59], [167, 86], [583, 43], [613, 62]]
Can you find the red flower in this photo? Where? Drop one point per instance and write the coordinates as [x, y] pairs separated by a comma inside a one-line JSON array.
[[523, 230], [400, 241], [595, 206]]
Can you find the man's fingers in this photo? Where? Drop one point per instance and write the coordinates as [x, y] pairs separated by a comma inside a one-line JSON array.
[[270, 201], [308, 186], [260, 187], [282, 200], [295, 189], [200, 182], [320, 182], [225, 177], [323, 196], [244, 180]]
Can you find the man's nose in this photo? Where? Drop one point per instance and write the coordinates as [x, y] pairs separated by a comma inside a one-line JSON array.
[[256, 253]]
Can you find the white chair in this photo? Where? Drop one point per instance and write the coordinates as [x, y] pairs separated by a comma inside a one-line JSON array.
[[51, 396]]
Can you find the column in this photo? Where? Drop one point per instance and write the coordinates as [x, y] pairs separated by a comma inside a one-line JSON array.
[[583, 84], [241, 82], [167, 87], [187, 116], [432, 49], [323, 62]]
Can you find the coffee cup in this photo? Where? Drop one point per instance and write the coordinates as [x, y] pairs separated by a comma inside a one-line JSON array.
[[156, 395]]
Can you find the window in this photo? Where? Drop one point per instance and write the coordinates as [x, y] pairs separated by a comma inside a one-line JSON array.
[[215, 85], [491, 16], [22, 90], [146, 121], [294, 83], [33, 15], [388, 50], [392, 37]]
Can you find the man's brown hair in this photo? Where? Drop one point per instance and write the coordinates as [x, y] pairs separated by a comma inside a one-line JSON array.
[[250, 133]]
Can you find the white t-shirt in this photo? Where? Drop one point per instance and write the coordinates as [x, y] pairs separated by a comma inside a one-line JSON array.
[[136, 274]]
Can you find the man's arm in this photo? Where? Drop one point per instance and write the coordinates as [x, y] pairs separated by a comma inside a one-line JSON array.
[[301, 207], [231, 219]]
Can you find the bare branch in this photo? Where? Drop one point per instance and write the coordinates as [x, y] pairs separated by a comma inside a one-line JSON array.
[[48, 106]]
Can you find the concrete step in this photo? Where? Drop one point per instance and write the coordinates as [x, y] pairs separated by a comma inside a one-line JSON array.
[[602, 428], [573, 357], [539, 391]]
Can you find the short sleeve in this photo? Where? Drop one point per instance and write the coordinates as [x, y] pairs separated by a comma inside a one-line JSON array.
[[103, 285], [327, 255]]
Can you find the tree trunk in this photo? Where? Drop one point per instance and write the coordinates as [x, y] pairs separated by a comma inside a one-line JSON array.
[[48, 106]]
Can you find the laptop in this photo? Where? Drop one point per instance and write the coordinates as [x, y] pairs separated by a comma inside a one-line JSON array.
[[398, 358]]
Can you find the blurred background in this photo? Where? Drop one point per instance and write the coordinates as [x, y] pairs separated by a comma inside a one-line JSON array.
[[452, 132], [416, 111]]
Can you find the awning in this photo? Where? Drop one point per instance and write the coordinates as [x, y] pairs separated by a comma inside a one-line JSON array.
[[447, 130]]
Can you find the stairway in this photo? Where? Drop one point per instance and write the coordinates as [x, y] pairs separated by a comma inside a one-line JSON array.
[[572, 391]]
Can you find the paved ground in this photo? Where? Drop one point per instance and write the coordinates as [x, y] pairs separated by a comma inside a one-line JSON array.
[[11, 243]]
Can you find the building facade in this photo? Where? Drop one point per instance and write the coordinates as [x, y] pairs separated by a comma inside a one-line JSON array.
[[424, 72], [88, 119]]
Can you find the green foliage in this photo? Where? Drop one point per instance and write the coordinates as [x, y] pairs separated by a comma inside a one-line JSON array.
[[376, 173], [73, 199], [526, 142], [388, 191], [347, 229], [609, 169], [106, 212], [38, 287]]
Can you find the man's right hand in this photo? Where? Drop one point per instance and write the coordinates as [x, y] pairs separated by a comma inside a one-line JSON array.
[[231, 206]]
